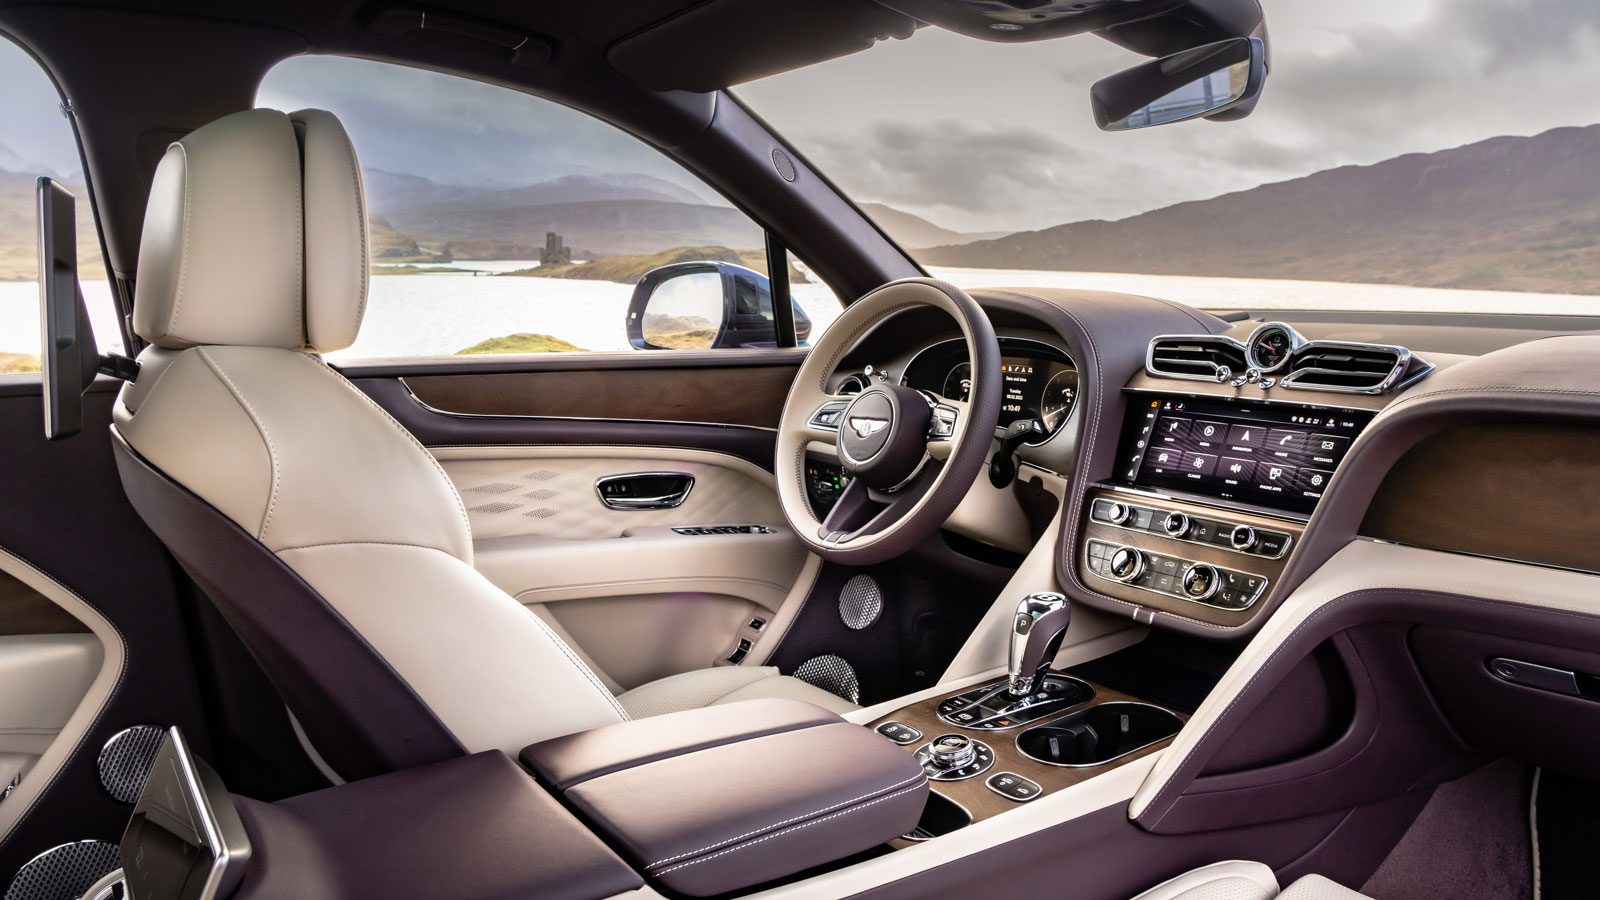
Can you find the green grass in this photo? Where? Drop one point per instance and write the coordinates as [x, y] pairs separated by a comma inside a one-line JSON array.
[[521, 343], [418, 270]]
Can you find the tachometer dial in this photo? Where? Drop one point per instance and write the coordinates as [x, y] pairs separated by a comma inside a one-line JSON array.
[[1270, 346], [1059, 395], [958, 384]]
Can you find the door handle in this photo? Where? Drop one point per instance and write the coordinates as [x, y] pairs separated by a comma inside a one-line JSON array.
[[644, 490]]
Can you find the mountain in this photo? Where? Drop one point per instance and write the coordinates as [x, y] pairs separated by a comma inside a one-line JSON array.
[[1507, 213], [605, 214], [912, 231]]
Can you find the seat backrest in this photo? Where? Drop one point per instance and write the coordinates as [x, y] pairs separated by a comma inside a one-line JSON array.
[[329, 538]]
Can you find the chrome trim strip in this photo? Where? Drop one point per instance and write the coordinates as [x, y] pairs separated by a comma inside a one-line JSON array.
[[634, 504], [1260, 592], [1000, 686], [1296, 341], [521, 417], [1017, 743], [1207, 502], [1403, 359]]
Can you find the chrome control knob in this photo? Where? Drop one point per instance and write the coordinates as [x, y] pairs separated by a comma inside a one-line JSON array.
[[1175, 524], [1243, 538], [952, 751], [1127, 564], [1200, 581], [1118, 512]]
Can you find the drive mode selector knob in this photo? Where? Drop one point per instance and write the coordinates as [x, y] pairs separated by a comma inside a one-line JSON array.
[[952, 751], [1243, 537], [1175, 524], [1126, 564], [1200, 581]]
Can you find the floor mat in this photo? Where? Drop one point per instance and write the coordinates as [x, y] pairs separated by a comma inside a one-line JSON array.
[[1567, 816], [1470, 842]]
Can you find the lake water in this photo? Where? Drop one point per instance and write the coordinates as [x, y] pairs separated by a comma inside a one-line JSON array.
[[439, 314]]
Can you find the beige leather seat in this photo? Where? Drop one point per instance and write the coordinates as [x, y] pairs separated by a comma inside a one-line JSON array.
[[1240, 880], [325, 533]]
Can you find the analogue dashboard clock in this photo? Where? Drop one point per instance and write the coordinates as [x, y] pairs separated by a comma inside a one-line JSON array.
[[1271, 345]]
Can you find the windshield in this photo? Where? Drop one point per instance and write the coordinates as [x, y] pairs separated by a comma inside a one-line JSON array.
[[1405, 155]]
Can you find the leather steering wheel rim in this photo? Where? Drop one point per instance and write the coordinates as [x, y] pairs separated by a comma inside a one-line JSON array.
[[868, 525]]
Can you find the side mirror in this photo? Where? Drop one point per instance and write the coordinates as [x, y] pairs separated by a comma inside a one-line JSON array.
[[706, 306], [1197, 83]]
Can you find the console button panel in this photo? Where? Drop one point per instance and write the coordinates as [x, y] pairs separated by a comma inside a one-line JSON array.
[[1191, 528], [977, 758], [1177, 577]]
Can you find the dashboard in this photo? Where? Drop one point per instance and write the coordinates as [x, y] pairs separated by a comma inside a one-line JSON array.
[[1040, 381]]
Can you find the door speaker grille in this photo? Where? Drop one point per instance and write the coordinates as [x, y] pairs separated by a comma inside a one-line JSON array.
[[861, 602], [832, 674], [64, 872], [125, 760]]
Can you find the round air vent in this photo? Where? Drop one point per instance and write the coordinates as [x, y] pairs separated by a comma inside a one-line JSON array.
[[64, 872], [784, 165], [125, 760], [861, 602], [832, 674]]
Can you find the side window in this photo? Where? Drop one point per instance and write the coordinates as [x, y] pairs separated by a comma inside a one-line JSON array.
[[36, 140], [505, 223]]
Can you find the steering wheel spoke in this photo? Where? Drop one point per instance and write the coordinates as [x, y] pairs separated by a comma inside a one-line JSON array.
[[944, 426], [825, 420], [861, 511]]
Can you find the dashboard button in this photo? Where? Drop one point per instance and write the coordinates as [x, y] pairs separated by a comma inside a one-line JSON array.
[[1272, 477], [1243, 537], [1283, 442], [1272, 543], [1125, 564], [1013, 786], [1200, 581], [1327, 448], [1172, 429], [899, 732], [1312, 482], [1246, 435], [1175, 524], [1208, 433], [1162, 460]]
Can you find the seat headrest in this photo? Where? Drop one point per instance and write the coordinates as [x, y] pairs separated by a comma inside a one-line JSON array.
[[255, 234]]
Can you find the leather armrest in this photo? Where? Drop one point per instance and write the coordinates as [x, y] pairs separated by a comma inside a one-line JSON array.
[[472, 827], [714, 800]]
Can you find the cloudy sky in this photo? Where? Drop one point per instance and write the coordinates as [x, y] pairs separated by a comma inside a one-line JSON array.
[[31, 126], [978, 136]]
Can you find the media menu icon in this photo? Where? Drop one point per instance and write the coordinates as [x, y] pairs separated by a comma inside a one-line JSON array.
[[1208, 432]]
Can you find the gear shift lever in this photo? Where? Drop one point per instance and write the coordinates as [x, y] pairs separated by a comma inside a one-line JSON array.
[[1036, 633]]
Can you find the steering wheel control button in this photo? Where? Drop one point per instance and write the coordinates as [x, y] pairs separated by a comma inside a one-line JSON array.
[[829, 414], [1126, 564], [1200, 582], [899, 732], [954, 757], [1176, 524], [1012, 786]]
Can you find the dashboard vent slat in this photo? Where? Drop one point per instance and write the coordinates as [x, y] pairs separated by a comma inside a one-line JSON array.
[[1199, 357], [1359, 368]]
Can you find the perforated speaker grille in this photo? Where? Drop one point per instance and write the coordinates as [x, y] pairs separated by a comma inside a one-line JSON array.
[[125, 760], [832, 674], [861, 602], [64, 872], [784, 165]]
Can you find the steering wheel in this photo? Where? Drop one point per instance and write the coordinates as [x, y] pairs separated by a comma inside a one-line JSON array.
[[911, 455]]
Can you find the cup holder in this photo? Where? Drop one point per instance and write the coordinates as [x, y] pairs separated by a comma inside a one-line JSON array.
[[1098, 735], [941, 816]]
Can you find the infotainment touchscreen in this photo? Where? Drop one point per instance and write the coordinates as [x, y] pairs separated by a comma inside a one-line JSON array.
[[1280, 456]]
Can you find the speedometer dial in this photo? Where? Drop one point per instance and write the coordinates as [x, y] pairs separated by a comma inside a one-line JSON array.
[[958, 384], [1059, 395]]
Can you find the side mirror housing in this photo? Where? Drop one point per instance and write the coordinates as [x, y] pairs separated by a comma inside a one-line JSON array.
[[706, 306], [1205, 82]]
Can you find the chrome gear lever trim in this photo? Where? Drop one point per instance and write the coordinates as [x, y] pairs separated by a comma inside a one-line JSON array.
[[1036, 633]]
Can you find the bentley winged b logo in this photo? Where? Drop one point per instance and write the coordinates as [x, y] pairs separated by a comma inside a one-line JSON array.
[[863, 426]]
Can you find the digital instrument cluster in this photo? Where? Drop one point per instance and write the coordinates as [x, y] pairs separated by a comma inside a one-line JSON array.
[[1038, 381]]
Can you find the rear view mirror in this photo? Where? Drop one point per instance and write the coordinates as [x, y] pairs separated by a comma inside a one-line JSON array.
[[705, 306], [1198, 83]]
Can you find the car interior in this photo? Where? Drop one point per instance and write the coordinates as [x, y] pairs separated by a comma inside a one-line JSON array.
[[930, 591]]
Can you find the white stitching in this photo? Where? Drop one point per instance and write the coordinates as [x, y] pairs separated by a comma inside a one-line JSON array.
[[735, 840], [272, 453], [694, 862], [183, 259]]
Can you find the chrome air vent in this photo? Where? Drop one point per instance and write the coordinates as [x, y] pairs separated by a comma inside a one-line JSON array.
[[1353, 368], [1203, 357]]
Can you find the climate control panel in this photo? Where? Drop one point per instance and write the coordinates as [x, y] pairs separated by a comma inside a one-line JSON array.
[[1174, 576], [1192, 528]]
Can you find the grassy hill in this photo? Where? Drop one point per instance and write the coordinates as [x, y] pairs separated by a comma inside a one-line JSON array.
[[1508, 213], [521, 343], [912, 231], [630, 268], [19, 228]]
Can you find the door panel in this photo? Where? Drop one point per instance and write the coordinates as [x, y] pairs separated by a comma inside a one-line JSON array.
[[55, 671], [638, 599]]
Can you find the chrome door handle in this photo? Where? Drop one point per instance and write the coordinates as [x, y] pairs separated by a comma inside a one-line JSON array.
[[644, 490]]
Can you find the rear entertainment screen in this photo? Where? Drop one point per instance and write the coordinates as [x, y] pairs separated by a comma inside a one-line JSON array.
[[1280, 456]]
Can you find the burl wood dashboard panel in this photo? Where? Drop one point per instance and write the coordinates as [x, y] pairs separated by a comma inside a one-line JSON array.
[[1271, 569], [982, 802]]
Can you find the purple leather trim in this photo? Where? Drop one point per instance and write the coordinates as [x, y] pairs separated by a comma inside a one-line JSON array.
[[730, 816], [358, 712], [434, 429], [1399, 739], [473, 828], [568, 760]]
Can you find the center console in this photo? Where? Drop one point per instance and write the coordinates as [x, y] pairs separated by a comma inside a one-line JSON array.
[[1208, 499]]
